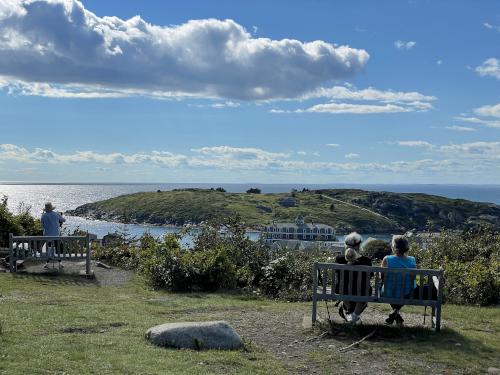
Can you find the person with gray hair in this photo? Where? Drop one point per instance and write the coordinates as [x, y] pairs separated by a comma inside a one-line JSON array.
[[51, 223], [393, 286], [349, 310]]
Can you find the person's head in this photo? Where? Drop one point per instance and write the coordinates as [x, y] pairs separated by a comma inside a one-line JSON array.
[[350, 255], [399, 245], [49, 207], [353, 240]]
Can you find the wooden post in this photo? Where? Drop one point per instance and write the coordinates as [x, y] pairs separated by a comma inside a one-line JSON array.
[[12, 262], [315, 287], [87, 264]]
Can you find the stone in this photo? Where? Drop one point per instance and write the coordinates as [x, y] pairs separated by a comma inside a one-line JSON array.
[[493, 370], [195, 335]]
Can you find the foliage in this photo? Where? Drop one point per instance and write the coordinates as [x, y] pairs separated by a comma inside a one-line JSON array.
[[471, 262], [22, 223], [376, 249], [253, 191], [289, 274]]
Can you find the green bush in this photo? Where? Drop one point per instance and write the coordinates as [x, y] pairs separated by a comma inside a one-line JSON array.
[[471, 263], [376, 249], [22, 223], [289, 274]]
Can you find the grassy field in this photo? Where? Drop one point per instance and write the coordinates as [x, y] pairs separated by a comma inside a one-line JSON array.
[[344, 209], [63, 324]]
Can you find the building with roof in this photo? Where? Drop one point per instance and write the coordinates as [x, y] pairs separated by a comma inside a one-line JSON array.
[[298, 231]]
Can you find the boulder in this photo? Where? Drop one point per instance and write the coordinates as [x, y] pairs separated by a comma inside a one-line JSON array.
[[195, 335]]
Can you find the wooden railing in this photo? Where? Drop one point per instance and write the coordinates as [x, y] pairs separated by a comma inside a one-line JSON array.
[[45, 247], [365, 284]]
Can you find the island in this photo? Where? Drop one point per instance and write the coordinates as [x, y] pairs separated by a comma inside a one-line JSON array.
[[343, 209]]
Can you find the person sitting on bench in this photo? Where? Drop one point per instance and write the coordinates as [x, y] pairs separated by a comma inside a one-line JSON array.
[[349, 310], [393, 285]]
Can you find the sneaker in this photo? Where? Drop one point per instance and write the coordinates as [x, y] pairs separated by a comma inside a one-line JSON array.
[[46, 266], [353, 318], [391, 318]]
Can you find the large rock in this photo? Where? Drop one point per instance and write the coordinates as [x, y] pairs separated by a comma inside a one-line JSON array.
[[195, 335]]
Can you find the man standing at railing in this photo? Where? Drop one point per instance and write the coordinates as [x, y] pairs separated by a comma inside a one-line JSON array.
[[51, 223]]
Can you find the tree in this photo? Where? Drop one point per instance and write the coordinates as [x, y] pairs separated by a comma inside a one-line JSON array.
[[220, 189], [253, 191], [332, 207], [376, 249]]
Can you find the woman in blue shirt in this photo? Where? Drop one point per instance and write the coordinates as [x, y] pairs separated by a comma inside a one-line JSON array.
[[393, 284]]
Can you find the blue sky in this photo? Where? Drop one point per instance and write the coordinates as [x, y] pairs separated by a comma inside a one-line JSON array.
[[282, 91]]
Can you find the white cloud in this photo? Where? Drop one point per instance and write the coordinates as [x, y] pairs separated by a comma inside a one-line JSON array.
[[368, 94], [461, 128], [59, 43], [488, 110], [39, 155], [352, 155], [461, 158], [490, 67], [301, 153], [475, 120], [491, 27], [387, 101], [439, 62], [400, 44], [414, 144], [332, 145], [355, 108]]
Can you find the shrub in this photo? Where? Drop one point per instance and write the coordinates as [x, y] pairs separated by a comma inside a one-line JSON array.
[[471, 262], [253, 191], [22, 223], [376, 249]]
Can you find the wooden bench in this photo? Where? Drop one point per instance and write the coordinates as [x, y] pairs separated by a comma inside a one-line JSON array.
[[328, 280], [45, 248]]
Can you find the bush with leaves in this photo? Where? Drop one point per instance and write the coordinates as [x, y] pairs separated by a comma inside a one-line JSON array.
[[289, 275], [471, 262], [22, 223], [376, 249]]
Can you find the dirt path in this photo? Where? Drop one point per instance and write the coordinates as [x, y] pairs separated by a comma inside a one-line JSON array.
[[358, 207]]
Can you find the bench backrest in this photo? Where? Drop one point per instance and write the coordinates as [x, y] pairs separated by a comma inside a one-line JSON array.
[[334, 281], [59, 246]]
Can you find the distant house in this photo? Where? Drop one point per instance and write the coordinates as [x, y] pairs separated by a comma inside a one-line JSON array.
[[299, 231]]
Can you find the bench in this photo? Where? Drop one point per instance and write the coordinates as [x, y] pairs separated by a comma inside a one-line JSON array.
[[45, 248], [328, 280]]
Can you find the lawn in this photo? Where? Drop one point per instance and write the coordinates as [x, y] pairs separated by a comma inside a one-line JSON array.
[[64, 324]]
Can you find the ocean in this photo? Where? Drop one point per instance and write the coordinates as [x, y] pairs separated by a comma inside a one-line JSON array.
[[69, 196]]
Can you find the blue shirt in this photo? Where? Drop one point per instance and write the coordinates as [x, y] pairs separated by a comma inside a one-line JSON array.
[[51, 222], [393, 261]]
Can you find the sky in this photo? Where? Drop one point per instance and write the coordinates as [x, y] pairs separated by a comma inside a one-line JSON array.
[[285, 91]]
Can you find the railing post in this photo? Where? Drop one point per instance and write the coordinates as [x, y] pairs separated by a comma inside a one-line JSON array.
[[315, 288], [87, 263], [12, 262]]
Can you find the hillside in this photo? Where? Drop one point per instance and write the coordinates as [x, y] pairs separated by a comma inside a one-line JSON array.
[[344, 209]]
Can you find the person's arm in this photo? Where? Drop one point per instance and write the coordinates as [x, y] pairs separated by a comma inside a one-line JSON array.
[[61, 219]]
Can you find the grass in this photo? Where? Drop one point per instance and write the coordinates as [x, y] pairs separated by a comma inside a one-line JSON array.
[[63, 324]]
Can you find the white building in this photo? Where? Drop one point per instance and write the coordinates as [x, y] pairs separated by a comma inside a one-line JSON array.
[[298, 231]]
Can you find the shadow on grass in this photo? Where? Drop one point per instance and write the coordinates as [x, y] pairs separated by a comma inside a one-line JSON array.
[[56, 277], [422, 337]]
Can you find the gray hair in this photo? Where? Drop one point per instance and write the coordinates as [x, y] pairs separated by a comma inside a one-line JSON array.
[[400, 244], [353, 240], [350, 255]]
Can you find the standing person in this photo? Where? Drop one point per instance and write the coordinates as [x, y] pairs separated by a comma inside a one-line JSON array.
[[349, 310], [51, 223], [393, 285]]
